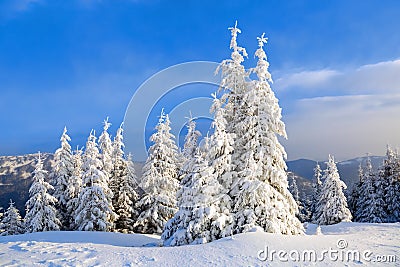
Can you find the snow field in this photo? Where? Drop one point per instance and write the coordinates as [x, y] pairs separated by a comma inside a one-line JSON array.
[[115, 249]]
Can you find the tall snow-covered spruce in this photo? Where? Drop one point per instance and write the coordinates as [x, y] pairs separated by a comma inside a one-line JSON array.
[[63, 171], [94, 212], [332, 204], [41, 214], [159, 181], [106, 151], [259, 186]]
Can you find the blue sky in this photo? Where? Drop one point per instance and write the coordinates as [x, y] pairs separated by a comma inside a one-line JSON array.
[[335, 65]]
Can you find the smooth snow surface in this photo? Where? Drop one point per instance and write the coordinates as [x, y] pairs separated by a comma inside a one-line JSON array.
[[115, 249]]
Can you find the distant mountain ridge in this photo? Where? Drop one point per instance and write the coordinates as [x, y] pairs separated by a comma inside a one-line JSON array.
[[348, 170], [16, 174], [16, 177]]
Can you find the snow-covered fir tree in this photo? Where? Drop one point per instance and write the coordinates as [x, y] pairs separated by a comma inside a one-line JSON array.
[[95, 211], [63, 171], [200, 218], [159, 180], [316, 191], [294, 189], [41, 214], [234, 85], [11, 223], [353, 199], [118, 163], [189, 148], [124, 177], [303, 214], [74, 187], [106, 155], [191, 139], [370, 203], [391, 174], [219, 155], [332, 204], [260, 186]]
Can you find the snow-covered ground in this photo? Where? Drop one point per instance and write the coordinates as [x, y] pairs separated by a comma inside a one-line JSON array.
[[373, 243]]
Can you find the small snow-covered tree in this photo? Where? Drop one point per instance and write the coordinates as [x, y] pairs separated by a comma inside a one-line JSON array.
[[316, 191], [74, 188], [41, 214], [94, 212], [189, 148], [124, 177], [200, 218], [370, 204], [11, 223], [332, 205], [353, 201], [63, 171], [294, 189], [391, 174], [302, 202], [191, 140], [305, 214], [159, 181], [127, 197]]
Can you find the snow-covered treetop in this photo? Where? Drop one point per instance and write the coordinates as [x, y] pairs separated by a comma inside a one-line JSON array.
[[64, 137], [39, 164], [262, 65], [317, 174], [191, 139], [118, 145], [332, 172], [234, 31], [106, 124], [368, 166], [238, 51], [360, 172], [262, 40]]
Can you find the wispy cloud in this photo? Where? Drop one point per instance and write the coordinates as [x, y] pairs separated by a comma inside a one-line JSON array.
[[306, 79], [344, 112], [367, 79]]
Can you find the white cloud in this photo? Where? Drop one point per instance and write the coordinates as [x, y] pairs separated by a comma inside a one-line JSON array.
[[346, 112], [345, 126], [306, 79], [375, 78], [367, 79]]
